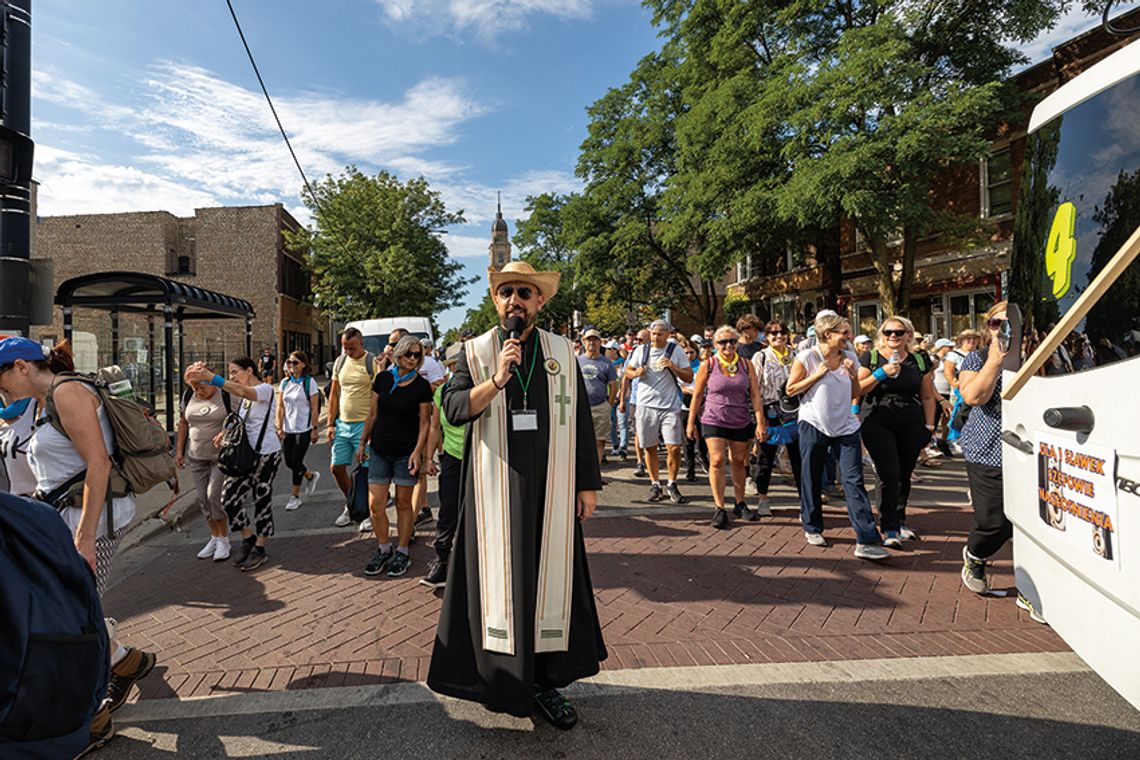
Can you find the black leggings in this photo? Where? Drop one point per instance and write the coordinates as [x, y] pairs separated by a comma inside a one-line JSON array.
[[762, 470], [449, 483], [991, 527], [296, 445], [894, 437]]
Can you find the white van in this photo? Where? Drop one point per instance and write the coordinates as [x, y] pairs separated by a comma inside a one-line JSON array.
[[376, 331], [1071, 455]]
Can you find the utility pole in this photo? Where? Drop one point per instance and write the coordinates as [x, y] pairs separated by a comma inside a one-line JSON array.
[[15, 165]]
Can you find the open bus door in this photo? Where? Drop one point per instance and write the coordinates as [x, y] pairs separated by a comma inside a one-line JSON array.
[[1071, 413]]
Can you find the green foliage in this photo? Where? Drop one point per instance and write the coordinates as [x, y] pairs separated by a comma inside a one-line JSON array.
[[736, 307], [541, 241], [375, 251], [483, 317]]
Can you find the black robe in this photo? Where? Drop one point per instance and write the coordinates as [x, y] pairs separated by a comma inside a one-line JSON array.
[[460, 667]]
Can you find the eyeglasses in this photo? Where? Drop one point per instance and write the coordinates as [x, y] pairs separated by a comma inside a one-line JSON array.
[[777, 332], [417, 355], [523, 292], [726, 342], [995, 323], [894, 333]]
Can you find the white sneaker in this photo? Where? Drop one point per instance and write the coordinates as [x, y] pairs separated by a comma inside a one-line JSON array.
[[815, 539], [366, 525], [764, 509], [293, 503], [208, 549], [222, 550], [311, 484], [750, 488], [343, 520], [871, 551]]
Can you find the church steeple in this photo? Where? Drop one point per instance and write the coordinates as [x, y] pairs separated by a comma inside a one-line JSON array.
[[500, 248]]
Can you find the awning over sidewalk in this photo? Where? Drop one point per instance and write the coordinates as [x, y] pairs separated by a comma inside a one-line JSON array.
[[151, 295]]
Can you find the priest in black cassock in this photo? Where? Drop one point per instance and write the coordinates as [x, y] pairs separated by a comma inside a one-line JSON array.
[[518, 619]]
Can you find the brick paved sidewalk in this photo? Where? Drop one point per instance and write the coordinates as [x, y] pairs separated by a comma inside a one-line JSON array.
[[671, 591]]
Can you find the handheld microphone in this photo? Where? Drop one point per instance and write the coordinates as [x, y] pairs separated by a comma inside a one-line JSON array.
[[515, 326]]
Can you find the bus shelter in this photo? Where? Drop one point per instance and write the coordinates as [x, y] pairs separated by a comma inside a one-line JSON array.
[[154, 298]]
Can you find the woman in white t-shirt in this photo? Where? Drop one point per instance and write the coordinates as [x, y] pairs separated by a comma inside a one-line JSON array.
[[15, 435], [256, 407], [298, 407]]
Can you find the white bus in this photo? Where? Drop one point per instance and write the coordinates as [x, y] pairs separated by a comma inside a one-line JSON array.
[[1071, 411], [376, 331]]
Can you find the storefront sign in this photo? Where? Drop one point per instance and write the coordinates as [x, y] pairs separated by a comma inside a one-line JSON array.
[[1076, 494]]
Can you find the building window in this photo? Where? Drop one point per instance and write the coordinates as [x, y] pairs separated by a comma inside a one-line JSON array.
[[184, 265], [294, 279], [744, 269], [867, 317], [997, 184]]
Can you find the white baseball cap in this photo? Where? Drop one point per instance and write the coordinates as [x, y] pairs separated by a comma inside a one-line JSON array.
[[862, 339]]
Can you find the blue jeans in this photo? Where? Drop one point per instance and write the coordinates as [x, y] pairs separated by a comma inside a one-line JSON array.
[[619, 431], [814, 451]]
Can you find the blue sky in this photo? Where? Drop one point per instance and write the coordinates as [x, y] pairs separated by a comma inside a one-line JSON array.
[[153, 106]]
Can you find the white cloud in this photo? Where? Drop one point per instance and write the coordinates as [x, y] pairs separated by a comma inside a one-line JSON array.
[[1074, 22], [478, 200], [485, 17], [467, 246]]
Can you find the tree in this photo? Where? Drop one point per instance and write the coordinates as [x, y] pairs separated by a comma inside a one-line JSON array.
[[375, 250], [542, 242]]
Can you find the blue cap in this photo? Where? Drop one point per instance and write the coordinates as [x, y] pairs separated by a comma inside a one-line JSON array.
[[12, 349], [15, 410]]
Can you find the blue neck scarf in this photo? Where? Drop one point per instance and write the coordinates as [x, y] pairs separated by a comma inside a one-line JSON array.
[[15, 410], [397, 378]]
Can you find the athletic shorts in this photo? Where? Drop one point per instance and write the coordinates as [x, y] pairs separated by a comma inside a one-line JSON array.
[[385, 470], [655, 425], [602, 423], [740, 435], [345, 441]]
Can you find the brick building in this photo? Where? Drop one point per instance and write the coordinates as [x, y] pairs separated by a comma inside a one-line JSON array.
[[236, 250], [953, 286]]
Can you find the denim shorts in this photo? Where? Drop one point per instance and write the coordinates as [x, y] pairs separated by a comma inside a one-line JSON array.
[[385, 470]]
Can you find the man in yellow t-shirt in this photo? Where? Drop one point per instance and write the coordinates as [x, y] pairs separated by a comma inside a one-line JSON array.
[[350, 395]]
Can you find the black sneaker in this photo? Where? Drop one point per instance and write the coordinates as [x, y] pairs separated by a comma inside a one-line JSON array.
[[720, 518], [437, 575], [640, 471], [974, 573], [622, 454], [399, 564], [423, 517], [605, 460], [130, 670], [691, 476], [556, 709], [257, 557], [739, 509], [674, 493], [379, 563], [243, 550], [655, 493], [102, 729]]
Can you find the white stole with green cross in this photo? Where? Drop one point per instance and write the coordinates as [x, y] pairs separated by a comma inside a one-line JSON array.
[[490, 465]]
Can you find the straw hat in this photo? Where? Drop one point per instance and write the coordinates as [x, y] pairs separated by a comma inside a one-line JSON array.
[[520, 271]]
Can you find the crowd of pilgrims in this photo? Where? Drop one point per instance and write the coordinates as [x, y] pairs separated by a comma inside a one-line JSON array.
[[739, 403]]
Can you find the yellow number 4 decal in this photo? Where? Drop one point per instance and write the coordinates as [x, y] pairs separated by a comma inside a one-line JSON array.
[[1061, 250]]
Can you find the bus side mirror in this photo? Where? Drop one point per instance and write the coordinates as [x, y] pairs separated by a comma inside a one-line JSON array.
[[1013, 358]]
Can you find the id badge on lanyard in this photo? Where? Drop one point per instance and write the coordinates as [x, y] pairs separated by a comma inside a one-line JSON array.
[[524, 420]]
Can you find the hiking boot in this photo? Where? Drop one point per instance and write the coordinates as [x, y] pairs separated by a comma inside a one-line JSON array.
[[640, 471], [293, 503], [343, 520], [1027, 605], [378, 563], [674, 493], [208, 550], [257, 557], [243, 550], [815, 539], [556, 709], [436, 576], [102, 729], [129, 671], [871, 551], [399, 564], [655, 493], [974, 573], [892, 539], [720, 518], [423, 517]]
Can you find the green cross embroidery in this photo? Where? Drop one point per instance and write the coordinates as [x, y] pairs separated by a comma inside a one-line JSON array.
[[562, 400]]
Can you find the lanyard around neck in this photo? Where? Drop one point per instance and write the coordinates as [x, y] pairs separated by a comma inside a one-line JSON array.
[[529, 375]]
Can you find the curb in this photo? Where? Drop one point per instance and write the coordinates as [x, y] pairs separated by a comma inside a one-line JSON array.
[[150, 526]]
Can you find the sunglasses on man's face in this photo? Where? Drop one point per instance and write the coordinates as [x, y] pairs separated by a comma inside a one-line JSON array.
[[894, 333], [523, 292]]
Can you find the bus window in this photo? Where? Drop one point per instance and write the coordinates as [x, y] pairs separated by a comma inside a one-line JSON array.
[[1078, 201]]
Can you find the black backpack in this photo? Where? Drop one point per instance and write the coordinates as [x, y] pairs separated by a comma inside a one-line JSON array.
[[236, 458], [54, 652]]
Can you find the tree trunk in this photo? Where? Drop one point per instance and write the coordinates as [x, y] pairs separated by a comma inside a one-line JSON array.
[[886, 279], [827, 258], [906, 282]]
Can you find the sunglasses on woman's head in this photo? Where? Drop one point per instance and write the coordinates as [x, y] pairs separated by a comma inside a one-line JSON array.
[[523, 292], [894, 333], [995, 323]]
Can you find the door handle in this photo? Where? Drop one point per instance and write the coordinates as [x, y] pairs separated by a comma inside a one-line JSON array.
[[1076, 419], [1014, 440]]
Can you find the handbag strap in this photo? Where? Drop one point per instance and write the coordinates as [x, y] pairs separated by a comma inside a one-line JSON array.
[[264, 424]]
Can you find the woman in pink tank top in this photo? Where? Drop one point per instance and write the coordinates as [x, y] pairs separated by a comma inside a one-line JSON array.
[[726, 400]]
